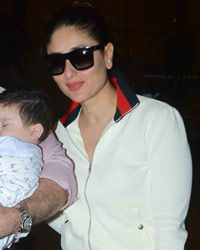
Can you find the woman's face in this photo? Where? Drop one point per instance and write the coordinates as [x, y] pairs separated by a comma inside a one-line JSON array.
[[80, 86]]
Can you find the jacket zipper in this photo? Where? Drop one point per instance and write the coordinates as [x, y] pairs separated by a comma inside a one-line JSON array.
[[89, 229]]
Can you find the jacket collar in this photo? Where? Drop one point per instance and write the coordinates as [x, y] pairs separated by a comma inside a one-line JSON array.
[[126, 101]]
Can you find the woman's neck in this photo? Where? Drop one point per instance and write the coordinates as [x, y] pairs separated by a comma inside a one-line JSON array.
[[102, 106]]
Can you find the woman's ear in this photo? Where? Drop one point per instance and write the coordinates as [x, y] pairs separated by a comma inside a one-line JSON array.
[[108, 55], [36, 131]]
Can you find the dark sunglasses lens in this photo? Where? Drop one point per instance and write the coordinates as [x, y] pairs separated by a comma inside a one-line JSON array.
[[55, 64], [82, 59]]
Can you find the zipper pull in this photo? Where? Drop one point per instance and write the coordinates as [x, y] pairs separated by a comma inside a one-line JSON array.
[[89, 170]]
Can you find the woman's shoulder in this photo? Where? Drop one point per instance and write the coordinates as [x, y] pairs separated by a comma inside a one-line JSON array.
[[152, 102], [152, 105], [150, 109]]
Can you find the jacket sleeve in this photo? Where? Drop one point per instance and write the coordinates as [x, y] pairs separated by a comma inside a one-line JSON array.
[[57, 221], [171, 170], [58, 167]]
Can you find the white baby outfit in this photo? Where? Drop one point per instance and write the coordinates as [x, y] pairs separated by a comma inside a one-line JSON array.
[[20, 167]]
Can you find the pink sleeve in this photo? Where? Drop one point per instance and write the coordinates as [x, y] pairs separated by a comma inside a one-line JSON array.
[[58, 167]]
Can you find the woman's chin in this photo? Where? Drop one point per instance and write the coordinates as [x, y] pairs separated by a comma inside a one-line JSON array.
[[77, 98]]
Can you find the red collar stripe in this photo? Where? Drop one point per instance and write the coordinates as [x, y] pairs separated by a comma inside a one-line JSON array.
[[123, 104], [73, 106]]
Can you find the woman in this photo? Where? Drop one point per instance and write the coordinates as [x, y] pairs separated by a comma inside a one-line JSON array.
[[131, 154]]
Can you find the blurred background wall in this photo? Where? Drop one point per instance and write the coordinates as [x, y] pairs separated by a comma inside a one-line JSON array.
[[158, 47]]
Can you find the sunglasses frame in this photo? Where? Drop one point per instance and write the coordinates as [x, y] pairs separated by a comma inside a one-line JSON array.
[[70, 56]]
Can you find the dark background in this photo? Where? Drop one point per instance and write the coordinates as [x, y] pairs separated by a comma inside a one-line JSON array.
[[158, 48]]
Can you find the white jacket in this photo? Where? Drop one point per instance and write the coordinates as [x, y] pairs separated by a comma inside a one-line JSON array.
[[135, 194]]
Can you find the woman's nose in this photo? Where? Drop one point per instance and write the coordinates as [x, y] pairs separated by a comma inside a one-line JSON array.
[[70, 71]]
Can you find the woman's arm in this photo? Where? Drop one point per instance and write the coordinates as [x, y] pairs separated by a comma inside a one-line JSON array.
[[171, 170], [57, 189]]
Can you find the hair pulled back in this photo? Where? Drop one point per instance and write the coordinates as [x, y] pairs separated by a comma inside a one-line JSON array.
[[81, 16]]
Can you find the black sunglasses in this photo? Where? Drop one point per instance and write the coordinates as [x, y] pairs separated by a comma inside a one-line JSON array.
[[81, 59]]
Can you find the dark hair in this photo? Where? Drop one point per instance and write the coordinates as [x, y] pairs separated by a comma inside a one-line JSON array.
[[34, 107], [83, 17]]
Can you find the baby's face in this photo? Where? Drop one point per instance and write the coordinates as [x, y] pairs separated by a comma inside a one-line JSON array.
[[11, 123]]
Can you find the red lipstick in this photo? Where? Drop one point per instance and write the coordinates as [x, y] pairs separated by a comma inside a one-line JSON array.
[[73, 86]]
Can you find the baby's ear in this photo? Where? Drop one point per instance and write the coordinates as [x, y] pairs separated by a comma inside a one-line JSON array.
[[36, 131]]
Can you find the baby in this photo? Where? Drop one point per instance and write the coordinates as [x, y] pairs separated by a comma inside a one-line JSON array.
[[25, 121]]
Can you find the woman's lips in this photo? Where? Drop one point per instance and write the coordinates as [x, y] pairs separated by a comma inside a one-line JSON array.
[[73, 86]]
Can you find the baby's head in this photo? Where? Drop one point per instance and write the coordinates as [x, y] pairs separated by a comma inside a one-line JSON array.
[[25, 115]]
